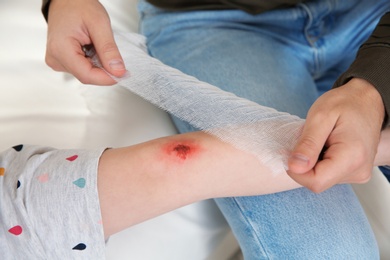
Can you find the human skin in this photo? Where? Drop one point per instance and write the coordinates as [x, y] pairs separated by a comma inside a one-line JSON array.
[[143, 181], [346, 120], [146, 180]]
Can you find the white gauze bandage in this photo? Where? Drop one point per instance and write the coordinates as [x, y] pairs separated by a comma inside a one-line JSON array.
[[268, 134]]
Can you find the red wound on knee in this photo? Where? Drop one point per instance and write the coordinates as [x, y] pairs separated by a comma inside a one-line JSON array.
[[181, 149]]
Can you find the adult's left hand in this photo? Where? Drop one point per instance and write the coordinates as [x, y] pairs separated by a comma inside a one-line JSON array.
[[339, 140]]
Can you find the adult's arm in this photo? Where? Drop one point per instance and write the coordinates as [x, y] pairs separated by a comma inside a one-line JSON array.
[[347, 120], [372, 63]]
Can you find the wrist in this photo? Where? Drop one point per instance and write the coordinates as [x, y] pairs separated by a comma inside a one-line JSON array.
[[370, 95]]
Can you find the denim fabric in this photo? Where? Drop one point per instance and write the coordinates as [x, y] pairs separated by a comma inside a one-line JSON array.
[[283, 59]]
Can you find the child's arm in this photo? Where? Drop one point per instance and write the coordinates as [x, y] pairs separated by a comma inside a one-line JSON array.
[[146, 180]]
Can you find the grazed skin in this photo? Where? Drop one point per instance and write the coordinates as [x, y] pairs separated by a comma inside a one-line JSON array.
[[182, 149]]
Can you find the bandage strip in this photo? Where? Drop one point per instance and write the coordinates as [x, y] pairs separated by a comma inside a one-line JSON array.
[[268, 134]]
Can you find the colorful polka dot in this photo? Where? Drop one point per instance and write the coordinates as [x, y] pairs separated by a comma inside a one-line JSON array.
[[18, 148], [72, 158], [80, 182], [2, 171], [80, 246], [43, 178], [16, 230]]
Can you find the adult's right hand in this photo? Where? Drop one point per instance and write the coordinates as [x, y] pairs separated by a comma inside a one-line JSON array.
[[73, 24], [347, 121]]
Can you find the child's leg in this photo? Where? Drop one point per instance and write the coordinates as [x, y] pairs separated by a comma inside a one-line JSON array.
[[49, 205], [56, 203], [143, 181]]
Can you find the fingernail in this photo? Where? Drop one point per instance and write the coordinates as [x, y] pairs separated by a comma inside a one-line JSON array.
[[116, 65], [300, 159]]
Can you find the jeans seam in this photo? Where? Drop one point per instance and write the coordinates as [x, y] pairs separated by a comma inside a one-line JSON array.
[[307, 24], [261, 246]]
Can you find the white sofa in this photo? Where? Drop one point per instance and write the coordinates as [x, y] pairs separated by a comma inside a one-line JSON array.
[[39, 106]]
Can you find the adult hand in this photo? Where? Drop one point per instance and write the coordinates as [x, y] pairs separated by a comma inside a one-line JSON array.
[[346, 121], [73, 24]]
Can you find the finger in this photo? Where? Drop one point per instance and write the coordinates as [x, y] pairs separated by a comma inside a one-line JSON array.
[[333, 169], [106, 48], [310, 144], [86, 73], [54, 64], [82, 68], [324, 175]]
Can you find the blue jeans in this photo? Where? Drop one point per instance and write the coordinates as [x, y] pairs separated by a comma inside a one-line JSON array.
[[283, 59]]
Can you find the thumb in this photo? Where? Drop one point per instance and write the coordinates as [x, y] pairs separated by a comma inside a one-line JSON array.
[[309, 147], [111, 59], [107, 51]]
